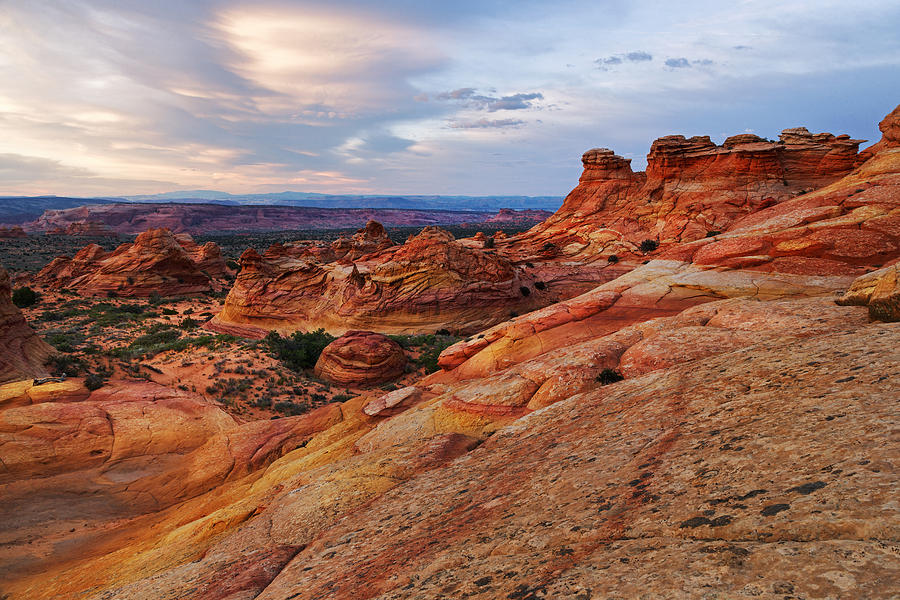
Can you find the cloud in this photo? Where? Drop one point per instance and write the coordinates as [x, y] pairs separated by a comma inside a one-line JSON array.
[[678, 63], [638, 56], [618, 59], [120, 97], [469, 98], [487, 124]]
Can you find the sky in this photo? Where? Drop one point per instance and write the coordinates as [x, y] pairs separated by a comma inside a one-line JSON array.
[[470, 97]]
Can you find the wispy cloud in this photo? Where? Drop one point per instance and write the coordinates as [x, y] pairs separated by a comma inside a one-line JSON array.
[[487, 124], [469, 98]]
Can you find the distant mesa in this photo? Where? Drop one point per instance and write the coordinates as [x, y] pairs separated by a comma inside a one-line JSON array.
[[84, 229], [157, 262], [132, 218], [12, 232], [361, 359]]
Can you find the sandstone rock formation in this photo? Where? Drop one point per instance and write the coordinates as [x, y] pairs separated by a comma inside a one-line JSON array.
[[431, 282], [813, 245], [691, 187], [361, 358], [22, 352], [156, 262], [879, 290]]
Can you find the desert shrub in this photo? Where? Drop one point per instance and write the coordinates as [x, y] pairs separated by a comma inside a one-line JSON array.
[[489, 242], [608, 376], [649, 246], [24, 297], [189, 323], [263, 402], [612, 259], [169, 311], [61, 364], [341, 397], [233, 265], [289, 408], [300, 350], [94, 381], [712, 233], [67, 341]]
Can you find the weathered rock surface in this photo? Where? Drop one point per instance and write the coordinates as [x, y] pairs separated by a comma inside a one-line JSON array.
[[693, 478], [157, 262], [361, 358], [879, 290], [431, 282], [22, 352]]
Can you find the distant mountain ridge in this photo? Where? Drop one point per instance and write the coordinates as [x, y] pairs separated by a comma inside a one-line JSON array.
[[314, 200], [16, 210]]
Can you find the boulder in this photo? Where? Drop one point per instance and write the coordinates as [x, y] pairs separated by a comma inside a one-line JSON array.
[[361, 358]]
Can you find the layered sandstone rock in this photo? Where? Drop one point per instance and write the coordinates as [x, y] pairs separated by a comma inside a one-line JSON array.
[[22, 352], [84, 229], [879, 290], [431, 282], [157, 262], [691, 187], [687, 455], [208, 257], [361, 358], [813, 245]]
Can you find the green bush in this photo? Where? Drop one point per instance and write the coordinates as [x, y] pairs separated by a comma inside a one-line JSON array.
[[300, 350], [608, 376], [24, 297], [63, 364], [612, 259], [649, 246], [94, 381]]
